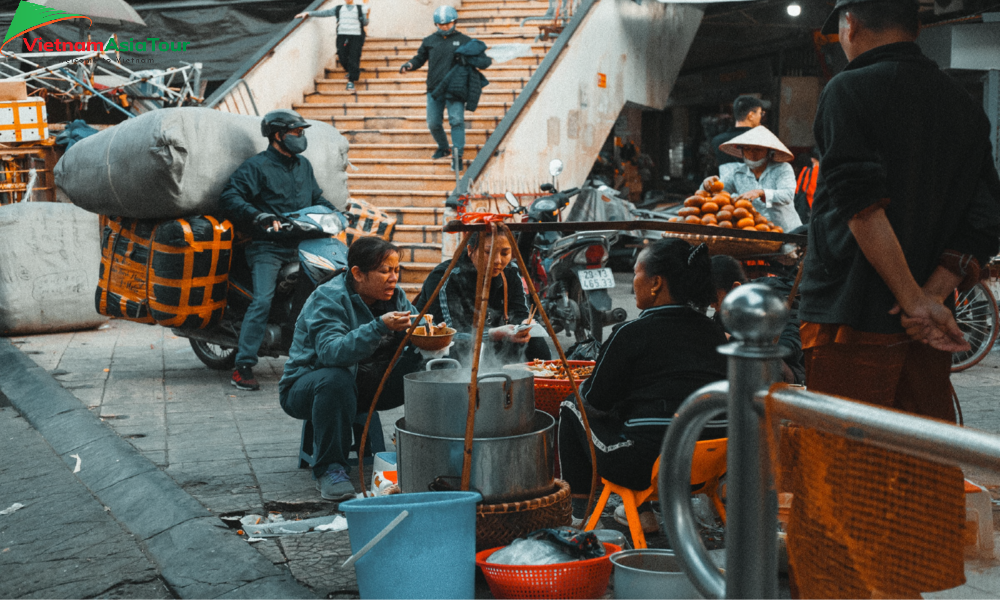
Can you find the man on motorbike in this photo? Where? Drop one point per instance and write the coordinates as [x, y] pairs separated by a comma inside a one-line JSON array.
[[276, 181]]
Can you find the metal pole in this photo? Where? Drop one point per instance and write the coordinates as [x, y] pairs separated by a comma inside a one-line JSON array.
[[991, 103], [755, 315]]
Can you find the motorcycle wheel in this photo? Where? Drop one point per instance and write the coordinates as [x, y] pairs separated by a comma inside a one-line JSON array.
[[591, 320], [220, 358]]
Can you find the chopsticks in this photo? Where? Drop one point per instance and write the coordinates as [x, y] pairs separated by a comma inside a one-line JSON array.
[[531, 314]]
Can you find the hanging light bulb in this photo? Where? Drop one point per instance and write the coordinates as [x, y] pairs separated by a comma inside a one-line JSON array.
[[794, 9]]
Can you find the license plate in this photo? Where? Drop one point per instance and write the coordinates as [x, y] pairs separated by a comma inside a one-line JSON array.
[[596, 279]]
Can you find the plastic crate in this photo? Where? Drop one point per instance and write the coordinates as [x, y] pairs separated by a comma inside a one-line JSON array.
[[578, 579]]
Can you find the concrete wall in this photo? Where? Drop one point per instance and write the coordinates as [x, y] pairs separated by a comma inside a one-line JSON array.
[[638, 49], [404, 18]]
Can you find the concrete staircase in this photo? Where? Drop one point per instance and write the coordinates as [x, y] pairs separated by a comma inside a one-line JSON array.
[[384, 120]]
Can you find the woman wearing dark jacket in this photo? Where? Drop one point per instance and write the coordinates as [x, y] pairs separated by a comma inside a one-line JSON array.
[[506, 308], [645, 371]]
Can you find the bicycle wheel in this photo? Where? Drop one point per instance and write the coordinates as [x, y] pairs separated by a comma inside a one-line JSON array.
[[976, 314]]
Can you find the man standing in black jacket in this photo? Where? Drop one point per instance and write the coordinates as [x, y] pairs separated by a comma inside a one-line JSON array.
[[438, 50], [907, 208], [748, 112]]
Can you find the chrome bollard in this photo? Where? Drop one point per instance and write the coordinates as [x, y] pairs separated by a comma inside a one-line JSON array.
[[755, 315]]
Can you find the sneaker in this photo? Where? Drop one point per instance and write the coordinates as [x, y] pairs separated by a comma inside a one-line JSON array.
[[648, 520], [335, 485], [350, 85], [243, 379], [441, 153]]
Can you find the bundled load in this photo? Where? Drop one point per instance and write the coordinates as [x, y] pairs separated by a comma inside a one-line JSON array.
[[48, 262], [173, 273], [174, 162], [719, 210]]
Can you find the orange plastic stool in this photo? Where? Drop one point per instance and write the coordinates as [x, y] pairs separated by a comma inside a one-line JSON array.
[[707, 467]]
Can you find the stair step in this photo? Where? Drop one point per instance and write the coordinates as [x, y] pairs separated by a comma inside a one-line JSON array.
[[427, 234], [423, 216], [394, 181], [506, 3], [346, 97], [388, 66], [416, 272], [356, 122], [386, 199], [326, 86], [478, 12], [403, 151], [407, 136], [408, 48], [403, 166], [418, 252], [318, 107]]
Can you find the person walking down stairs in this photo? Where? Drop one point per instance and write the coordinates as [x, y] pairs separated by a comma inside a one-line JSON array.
[[351, 21], [465, 84], [438, 51]]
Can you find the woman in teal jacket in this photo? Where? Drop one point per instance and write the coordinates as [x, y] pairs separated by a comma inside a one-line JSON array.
[[345, 338]]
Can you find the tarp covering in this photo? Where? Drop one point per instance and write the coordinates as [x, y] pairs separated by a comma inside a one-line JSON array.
[[174, 162], [220, 35]]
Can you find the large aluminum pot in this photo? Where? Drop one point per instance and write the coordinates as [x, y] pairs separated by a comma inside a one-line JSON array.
[[505, 469], [437, 401]]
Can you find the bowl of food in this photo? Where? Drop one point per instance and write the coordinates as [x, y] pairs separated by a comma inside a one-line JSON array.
[[432, 337]]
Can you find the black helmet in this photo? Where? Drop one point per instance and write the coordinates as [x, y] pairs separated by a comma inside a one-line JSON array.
[[281, 120]]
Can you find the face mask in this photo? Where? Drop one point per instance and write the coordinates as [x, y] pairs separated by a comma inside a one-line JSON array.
[[755, 164], [446, 32], [296, 144]]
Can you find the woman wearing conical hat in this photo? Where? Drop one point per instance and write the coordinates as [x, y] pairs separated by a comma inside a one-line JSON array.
[[765, 177]]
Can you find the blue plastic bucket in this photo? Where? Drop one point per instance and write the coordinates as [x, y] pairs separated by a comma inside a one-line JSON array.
[[429, 554]]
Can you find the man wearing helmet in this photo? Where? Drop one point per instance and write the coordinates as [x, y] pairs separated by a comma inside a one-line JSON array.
[[266, 185], [438, 50]]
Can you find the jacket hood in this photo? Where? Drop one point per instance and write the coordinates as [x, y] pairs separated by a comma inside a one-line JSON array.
[[471, 48]]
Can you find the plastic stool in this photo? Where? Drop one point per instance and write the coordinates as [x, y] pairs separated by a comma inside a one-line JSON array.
[[376, 441]]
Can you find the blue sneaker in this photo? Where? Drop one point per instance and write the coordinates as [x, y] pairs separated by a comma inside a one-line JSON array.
[[335, 485]]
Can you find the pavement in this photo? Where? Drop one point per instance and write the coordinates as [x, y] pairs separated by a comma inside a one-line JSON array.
[[167, 448]]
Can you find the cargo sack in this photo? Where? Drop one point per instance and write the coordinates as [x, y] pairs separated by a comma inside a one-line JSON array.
[[121, 288], [189, 272], [366, 221], [174, 162], [174, 273], [49, 258]]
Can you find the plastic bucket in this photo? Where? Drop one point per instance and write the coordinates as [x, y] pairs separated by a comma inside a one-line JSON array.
[[650, 573], [430, 554]]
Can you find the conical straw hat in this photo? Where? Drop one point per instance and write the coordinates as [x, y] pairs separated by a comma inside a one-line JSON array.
[[758, 136]]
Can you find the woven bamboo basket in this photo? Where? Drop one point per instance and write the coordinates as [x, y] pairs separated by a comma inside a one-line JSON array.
[[500, 524], [732, 246]]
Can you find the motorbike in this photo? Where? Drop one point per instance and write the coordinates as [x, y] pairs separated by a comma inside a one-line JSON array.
[[569, 272], [322, 255]]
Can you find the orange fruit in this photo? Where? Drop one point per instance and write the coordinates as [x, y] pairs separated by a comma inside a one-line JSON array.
[[674, 219], [709, 207], [724, 215], [750, 228], [703, 194], [760, 220], [694, 201], [716, 186], [745, 223], [727, 207], [720, 199], [726, 224], [740, 213], [689, 211], [693, 220], [709, 220], [776, 229], [744, 204], [763, 227]]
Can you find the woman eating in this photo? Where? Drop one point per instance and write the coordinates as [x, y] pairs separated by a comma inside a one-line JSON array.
[[507, 306], [645, 370], [764, 177], [345, 338]]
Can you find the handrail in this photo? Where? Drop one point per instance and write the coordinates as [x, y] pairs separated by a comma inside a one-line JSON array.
[[523, 99], [756, 314], [246, 66]]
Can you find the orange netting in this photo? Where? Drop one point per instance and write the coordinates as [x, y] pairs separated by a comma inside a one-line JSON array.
[[372, 221], [867, 522], [121, 290]]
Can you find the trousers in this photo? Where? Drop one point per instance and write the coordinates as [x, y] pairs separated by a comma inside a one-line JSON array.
[[456, 118], [265, 260], [349, 54]]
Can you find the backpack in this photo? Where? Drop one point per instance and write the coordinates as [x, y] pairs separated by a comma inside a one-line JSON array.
[[361, 15]]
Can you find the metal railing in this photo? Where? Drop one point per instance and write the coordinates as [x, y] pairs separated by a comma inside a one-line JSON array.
[[756, 315], [556, 12], [235, 101]]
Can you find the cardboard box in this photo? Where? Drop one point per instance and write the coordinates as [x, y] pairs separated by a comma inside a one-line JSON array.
[[23, 120], [13, 90]]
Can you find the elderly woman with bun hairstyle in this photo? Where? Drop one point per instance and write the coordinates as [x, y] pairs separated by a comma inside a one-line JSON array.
[[764, 178], [645, 370]]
